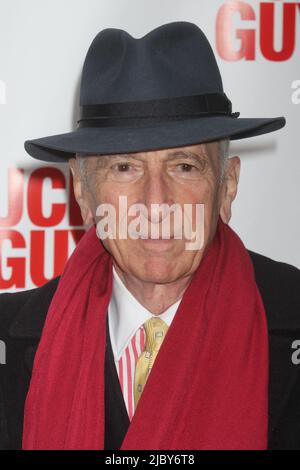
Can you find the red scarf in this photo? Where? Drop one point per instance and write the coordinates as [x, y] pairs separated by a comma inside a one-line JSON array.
[[209, 386]]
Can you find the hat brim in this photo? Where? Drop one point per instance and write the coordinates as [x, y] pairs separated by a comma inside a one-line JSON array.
[[111, 140]]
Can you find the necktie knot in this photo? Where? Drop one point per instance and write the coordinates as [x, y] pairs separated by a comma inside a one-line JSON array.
[[155, 330]]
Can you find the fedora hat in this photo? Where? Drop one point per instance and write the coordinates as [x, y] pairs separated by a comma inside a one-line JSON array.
[[160, 91]]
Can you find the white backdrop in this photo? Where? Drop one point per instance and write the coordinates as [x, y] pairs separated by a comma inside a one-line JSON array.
[[42, 49]]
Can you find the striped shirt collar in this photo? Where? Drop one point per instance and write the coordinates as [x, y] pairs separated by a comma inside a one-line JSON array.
[[126, 315]]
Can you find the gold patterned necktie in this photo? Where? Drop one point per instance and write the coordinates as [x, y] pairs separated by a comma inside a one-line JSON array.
[[155, 330]]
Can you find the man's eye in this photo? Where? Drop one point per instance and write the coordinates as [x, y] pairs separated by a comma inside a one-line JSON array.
[[186, 167], [122, 167]]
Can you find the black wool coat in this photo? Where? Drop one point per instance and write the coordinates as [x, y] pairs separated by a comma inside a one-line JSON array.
[[22, 317]]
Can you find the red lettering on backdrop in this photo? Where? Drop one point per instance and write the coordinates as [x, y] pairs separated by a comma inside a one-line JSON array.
[[267, 18], [15, 189], [61, 253], [13, 268], [225, 22], [224, 41], [38, 254], [16, 264], [35, 196]]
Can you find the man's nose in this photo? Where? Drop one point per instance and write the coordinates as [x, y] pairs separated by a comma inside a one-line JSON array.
[[157, 196]]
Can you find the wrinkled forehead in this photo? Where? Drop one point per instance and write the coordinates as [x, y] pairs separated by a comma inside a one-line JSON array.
[[208, 150]]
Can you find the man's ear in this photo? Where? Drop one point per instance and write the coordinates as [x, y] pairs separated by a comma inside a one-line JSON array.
[[229, 187], [81, 192]]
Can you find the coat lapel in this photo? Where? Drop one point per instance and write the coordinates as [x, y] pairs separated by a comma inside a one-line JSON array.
[[30, 319]]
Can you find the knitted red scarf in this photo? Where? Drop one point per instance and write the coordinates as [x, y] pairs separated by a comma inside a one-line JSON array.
[[209, 385]]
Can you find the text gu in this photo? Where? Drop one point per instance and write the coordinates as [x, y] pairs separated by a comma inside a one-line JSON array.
[[235, 43]]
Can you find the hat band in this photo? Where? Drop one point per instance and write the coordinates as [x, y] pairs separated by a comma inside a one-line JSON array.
[[138, 113]]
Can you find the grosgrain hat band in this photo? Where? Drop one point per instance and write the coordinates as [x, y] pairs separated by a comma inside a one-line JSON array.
[[140, 112]]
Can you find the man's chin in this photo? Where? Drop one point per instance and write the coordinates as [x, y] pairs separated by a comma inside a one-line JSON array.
[[158, 271]]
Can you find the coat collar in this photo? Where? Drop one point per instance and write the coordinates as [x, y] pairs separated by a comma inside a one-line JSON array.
[[31, 317]]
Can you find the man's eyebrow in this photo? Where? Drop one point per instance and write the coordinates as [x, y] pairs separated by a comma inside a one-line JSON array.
[[104, 159], [186, 155]]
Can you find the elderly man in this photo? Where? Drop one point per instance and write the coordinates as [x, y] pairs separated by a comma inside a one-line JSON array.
[[145, 342]]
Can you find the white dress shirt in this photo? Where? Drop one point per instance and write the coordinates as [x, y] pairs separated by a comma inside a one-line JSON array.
[[125, 317]]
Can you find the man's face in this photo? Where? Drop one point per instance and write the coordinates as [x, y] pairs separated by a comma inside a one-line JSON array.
[[186, 175]]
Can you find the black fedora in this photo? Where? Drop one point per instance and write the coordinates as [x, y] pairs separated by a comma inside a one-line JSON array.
[[160, 91]]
